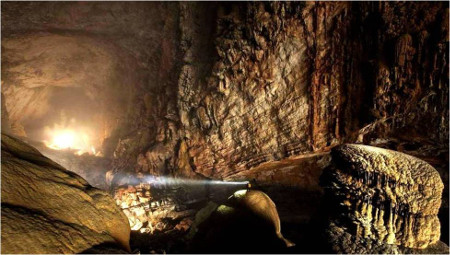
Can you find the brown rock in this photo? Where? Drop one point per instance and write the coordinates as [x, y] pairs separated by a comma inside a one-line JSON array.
[[47, 209], [242, 84], [385, 196]]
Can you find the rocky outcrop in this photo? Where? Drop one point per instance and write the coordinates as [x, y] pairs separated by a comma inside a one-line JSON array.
[[384, 196], [47, 209], [258, 88]]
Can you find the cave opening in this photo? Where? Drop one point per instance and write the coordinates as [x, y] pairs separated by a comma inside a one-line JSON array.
[[217, 127], [70, 122]]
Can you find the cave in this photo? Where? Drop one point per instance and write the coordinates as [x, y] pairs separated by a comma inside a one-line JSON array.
[[225, 127]]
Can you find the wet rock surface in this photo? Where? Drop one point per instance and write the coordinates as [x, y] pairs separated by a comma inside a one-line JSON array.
[[382, 200], [47, 209]]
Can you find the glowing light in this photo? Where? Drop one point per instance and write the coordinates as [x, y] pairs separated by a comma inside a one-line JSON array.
[[165, 180], [64, 140], [180, 181], [239, 194], [74, 139]]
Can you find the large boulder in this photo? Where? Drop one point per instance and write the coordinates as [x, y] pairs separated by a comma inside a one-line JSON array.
[[247, 222], [47, 209], [381, 201]]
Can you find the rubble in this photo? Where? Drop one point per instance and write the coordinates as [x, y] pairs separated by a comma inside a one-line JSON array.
[[148, 213]]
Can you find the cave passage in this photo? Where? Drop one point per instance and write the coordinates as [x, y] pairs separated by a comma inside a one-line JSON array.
[[216, 127]]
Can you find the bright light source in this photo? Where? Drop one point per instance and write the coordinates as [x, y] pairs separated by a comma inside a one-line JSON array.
[[165, 180], [64, 140], [228, 183], [179, 181]]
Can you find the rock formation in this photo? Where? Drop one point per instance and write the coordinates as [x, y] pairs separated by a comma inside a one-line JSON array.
[[47, 209], [247, 222], [383, 196], [228, 86], [217, 90], [259, 204]]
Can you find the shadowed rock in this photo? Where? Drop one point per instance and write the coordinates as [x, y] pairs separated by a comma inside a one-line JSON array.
[[47, 209], [247, 223]]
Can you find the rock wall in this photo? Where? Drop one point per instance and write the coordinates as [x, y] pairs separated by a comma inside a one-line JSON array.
[[292, 78], [221, 88]]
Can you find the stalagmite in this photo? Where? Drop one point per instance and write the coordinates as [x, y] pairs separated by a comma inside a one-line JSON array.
[[392, 197]]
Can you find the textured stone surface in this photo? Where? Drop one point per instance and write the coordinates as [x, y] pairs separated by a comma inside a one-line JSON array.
[[223, 90], [384, 195], [47, 209], [228, 86], [343, 242], [291, 78], [301, 171]]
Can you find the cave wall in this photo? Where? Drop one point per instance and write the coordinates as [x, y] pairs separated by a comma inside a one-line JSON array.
[[214, 89], [275, 89], [275, 80], [52, 51], [55, 78]]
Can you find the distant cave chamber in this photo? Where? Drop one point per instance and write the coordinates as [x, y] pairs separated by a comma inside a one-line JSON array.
[[188, 93]]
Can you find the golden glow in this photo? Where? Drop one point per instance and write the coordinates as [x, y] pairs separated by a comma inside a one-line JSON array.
[[63, 140], [77, 140]]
